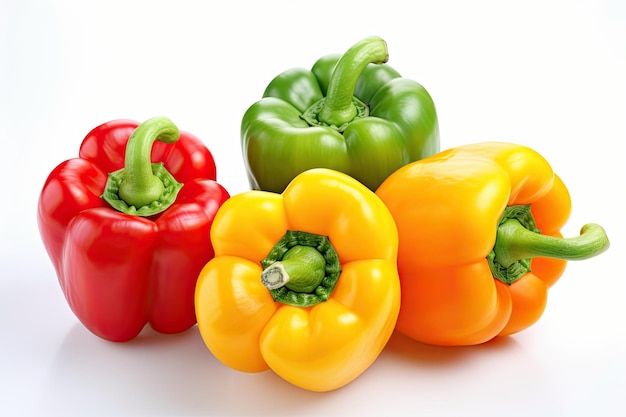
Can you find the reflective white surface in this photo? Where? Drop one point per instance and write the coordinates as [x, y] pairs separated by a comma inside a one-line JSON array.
[[547, 74]]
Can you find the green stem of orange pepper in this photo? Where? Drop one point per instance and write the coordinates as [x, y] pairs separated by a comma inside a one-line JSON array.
[[518, 241]]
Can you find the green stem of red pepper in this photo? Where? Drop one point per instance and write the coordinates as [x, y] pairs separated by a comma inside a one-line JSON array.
[[143, 188], [518, 241], [340, 107]]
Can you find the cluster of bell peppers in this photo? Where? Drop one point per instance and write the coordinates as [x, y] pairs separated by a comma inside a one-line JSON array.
[[356, 225]]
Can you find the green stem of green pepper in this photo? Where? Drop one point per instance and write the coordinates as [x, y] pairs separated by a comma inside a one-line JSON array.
[[142, 188], [518, 241], [338, 107]]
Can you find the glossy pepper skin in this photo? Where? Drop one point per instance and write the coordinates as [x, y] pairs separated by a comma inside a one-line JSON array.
[[480, 241], [317, 335], [349, 113], [119, 271]]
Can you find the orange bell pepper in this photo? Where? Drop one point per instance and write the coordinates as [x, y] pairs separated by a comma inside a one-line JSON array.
[[480, 241], [304, 283]]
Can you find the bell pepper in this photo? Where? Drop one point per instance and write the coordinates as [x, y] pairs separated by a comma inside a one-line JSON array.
[[304, 283], [480, 241], [348, 113], [133, 256]]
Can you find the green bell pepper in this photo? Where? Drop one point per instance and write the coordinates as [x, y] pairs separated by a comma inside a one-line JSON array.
[[349, 113]]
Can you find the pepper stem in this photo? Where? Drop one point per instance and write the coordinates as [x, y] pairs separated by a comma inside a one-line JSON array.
[[142, 188], [302, 269], [340, 107], [516, 245]]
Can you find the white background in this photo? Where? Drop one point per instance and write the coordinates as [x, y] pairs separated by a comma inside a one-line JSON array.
[[547, 74]]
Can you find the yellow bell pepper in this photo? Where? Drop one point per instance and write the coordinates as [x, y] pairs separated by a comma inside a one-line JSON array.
[[304, 283]]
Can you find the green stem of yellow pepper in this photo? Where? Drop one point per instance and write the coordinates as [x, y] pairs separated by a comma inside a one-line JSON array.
[[302, 269], [518, 241]]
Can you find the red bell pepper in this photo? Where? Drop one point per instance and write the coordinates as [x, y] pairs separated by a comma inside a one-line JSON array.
[[130, 254]]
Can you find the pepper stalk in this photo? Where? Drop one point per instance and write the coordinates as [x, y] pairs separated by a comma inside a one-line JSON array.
[[340, 107], [143, 188], [518, 241], [302, 269]]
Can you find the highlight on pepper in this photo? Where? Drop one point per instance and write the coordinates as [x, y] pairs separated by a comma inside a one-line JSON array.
[[304, 283], [480, 241], [352, 113], [126, 226]]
